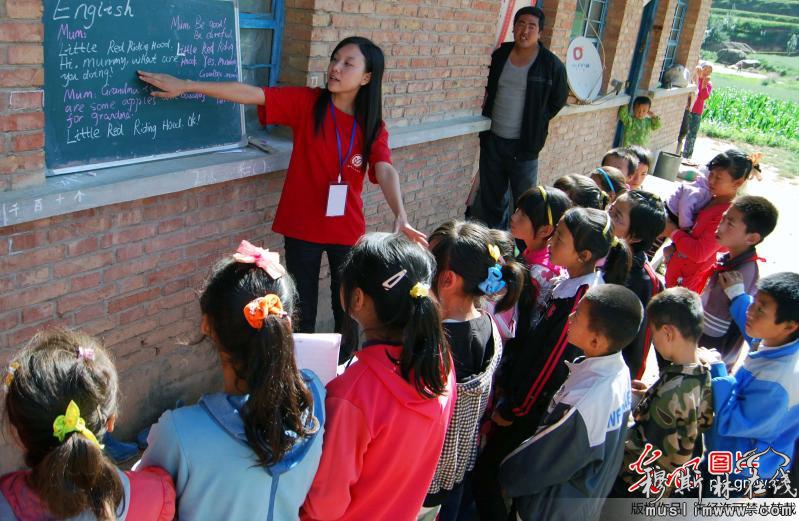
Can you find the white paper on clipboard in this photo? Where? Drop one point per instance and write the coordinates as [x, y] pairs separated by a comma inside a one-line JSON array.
[[318, 352]]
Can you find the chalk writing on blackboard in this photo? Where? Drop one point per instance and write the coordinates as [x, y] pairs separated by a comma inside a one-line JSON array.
[[98, 112]]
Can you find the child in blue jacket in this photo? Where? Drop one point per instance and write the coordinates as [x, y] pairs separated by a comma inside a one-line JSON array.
[[758, 406], [250, 452]]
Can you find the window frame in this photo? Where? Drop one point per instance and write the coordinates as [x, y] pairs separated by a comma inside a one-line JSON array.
[[587, 8], [673, 43], [275, 22]]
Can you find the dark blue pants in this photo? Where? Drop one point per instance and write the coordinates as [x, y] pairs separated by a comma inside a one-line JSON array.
[[303, 262], [500, 170]]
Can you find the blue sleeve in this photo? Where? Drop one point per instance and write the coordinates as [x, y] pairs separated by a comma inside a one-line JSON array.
[[555, 454], [738, 309], [164, 450], [757, 410]]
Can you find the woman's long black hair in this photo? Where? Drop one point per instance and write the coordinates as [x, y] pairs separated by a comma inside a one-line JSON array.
[[425, 361], [368, 101]]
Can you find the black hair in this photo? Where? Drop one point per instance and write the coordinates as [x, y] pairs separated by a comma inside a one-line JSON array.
[[538, 209], [737, 163], [376, 258], [758, 214], [609, 179], [623, 153], [582, 190], [462, 247], [647, 219], [680, 308], [642, 100], [783, 287], [277, 411], [533, 11], [592, 230], [368, 101], [615, 313], [643, 154], [74, 475]]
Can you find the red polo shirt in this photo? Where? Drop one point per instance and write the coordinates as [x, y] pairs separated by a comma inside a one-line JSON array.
[[314, 165]]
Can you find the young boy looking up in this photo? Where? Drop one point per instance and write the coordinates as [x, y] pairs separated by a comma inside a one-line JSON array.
[[638, 122], [757, 408], [678, 407], [577, 450], [745, 224]]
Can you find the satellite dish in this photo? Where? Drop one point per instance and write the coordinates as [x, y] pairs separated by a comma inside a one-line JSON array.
[[583, 69]]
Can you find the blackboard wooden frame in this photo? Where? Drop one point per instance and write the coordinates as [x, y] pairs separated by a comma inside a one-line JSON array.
[[242, 142]]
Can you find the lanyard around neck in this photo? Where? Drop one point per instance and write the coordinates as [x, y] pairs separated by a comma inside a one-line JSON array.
[[342, 158]]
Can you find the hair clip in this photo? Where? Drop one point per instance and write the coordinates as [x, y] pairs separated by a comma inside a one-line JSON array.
[[8, 379], [546, 202], [85, 353], [493, 282], [420, 290], [72, 422], [269, 261], [493, 251], [258, 309], [607, 179], [394, 279]]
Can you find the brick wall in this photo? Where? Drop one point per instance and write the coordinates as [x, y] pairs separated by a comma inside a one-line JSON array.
[[664, 18], [621, 32], [437, 52], [129, 272], [693, 32], [21, 78]]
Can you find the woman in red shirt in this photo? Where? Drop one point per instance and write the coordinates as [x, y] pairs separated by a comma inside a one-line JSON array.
[[339, 137]]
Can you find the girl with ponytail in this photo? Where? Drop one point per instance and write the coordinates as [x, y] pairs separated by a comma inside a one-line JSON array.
[[251, 451], [388, 413], [533, 366], [61, 396], [471, 272]]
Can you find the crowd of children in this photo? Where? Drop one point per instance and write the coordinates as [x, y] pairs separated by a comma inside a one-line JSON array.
[[491, 381]]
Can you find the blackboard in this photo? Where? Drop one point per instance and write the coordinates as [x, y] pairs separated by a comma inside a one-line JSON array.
[[99, 114]]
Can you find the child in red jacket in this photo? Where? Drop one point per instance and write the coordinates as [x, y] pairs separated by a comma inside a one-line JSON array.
[[693, 253], [387, 415]]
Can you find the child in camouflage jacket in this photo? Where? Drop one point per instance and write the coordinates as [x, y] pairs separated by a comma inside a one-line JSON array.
[[678, 407]]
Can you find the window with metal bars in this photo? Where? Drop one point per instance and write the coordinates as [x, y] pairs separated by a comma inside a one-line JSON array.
[[674, 35], [261, 34], [589, 20]]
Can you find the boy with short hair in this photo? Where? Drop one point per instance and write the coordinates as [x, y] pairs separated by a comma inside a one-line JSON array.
[[638, 122], [577, 450], [745, 224], [622, 159], [757, 408], [677, 408]]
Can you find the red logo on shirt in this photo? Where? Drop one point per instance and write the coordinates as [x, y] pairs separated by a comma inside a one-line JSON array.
[[357, 161]]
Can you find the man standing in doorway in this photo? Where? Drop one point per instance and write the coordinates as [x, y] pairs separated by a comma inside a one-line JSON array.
[[526, 88]]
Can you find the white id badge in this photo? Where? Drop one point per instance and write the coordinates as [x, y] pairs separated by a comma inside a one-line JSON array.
[[336, 200]]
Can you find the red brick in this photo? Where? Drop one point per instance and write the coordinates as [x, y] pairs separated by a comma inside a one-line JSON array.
[[15, 163], [30, 296], [90, 280], [139, 265], [89, 313], [24, 142], [20, 336], [82, 246], [12, 263], [38, 312], [24, 121], [129, 251], [83, 264], [129, 284], [25, 55], [128, 301], [30, 9], [22, 77], [21, 32], [9, 320], [73, 301], [129, 332]]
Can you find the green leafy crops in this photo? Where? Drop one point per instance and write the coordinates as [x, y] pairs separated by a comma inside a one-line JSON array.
[[763, 119]]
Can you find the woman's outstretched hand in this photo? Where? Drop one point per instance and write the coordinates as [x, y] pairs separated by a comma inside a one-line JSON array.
[[402, 226], [168, 86]]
